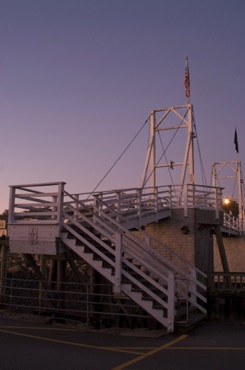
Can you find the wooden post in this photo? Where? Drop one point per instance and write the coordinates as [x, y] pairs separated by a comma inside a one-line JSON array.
[[4, 259], [43, 272], [185, 200], [171, 302], [61, 277], [118, 264], [221, 249]]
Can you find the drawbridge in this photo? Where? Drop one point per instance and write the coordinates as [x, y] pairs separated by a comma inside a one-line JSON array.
[[108, 229], [46, 219]]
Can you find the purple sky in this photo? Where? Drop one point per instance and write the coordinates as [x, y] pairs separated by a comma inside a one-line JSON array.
[[78, 79]]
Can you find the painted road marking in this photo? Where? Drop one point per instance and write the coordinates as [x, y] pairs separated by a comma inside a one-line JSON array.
[[36, 328], [210, 348], [140, 351], [129, 349], [158, 349], [112, 349]]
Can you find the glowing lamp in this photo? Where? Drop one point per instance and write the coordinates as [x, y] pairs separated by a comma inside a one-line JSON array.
[[227, 201]]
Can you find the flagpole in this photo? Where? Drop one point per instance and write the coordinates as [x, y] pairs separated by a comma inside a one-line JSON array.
[[190, 150], [187, 81], [236, 143], [239, 181]]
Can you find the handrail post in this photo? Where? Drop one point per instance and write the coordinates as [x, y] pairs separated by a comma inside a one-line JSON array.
[[193, 286], [11, 205], [139, 206], [118, 263], [216, 203], [171, 196], [171, 301], [118, 203], [3, 271], [96, 204], [61, 187], [76, 205], [156, 200], [185, 200]]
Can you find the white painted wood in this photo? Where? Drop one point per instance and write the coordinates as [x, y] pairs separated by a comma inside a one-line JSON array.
[[118, 263], [98, 233]]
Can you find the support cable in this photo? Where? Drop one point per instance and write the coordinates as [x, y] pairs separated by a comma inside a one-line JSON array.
[[199, 151], [164, 152], [234, 187], [242, 181], [120, 156]]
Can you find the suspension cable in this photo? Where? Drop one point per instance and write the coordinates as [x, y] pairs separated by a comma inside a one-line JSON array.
[[243, 191], [235, 181], [120, 156], [199, 151], [164, 151]]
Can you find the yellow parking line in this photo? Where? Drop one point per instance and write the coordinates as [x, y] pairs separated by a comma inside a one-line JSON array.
[[37, 328], [140, 348], [209, 348], [69, 343], [158, 349]]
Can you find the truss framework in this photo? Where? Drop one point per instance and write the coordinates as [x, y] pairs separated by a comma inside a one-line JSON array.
[[158, 119], [234, 169]]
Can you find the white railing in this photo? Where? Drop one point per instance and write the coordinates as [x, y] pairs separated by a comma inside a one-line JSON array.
[[233, 224], [139, 200], [44, 202], [165, 196], [36, 202], [232, 282]]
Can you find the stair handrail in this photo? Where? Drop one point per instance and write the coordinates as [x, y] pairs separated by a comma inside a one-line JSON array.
[[98, 210], [158, 256], [158, 274], [133, 246], [192, 296], [135, 227]]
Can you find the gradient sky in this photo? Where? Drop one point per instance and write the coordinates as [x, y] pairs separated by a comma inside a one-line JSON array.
[[78, 79]]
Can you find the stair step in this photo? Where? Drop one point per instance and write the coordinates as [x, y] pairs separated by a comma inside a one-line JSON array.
[[148, 295]]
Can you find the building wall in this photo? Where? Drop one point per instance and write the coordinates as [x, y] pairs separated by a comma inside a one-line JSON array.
[[168, 232], [235, 253], [190, 237]]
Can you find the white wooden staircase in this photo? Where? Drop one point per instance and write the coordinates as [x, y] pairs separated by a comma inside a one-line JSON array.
[[125, 258], [103, 235]]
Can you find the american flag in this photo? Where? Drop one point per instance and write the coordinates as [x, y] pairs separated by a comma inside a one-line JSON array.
[[187, 80], [236, 141]]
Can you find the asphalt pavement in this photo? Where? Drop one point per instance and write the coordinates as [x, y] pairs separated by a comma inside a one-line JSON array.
[[41, 344]]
